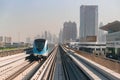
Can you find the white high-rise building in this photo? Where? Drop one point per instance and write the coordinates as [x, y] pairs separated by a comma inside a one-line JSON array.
[[1, 38], [88, 21], [101, 34], [61, 36], [28, 40]]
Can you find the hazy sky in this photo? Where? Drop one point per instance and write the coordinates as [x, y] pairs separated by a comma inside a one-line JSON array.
[[32, 17]]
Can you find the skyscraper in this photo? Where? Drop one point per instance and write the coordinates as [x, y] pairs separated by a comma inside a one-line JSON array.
[[69, 31], [61, 36], [88, 21]]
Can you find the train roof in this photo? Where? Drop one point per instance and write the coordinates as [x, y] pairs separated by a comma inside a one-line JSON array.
[[40, 39]]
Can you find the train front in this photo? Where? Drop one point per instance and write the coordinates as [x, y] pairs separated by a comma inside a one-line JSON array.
[[40, 48]]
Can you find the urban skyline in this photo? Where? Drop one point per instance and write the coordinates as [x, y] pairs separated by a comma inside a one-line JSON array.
[[34, 17]]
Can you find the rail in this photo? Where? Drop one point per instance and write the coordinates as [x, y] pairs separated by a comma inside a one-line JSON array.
[[71, 70], [19, 71]]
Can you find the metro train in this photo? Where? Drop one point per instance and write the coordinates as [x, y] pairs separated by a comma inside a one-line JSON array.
[[40, 48]]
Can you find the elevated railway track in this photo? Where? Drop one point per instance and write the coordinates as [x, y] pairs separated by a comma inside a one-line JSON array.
[[61, 64]]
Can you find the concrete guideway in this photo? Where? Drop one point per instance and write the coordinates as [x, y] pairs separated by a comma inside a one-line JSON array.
[[28, 71], [46, 68], [59, 74], [16, 67], [12, 69], [25, 74], [10, 64], [11, 56], [10, 59], [102, 72], [70, 69]]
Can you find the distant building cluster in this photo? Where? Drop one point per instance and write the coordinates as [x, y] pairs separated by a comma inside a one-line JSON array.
[[5, 41], [52, 38]]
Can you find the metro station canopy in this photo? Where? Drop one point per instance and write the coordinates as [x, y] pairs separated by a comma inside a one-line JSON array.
[[114, 26]]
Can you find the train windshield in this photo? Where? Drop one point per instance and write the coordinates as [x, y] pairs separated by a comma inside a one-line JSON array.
[[39, 43]]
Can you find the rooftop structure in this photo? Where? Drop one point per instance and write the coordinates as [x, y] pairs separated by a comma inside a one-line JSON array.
[[112, 27]]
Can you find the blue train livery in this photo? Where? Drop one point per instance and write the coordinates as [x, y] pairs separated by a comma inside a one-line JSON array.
[[40, 47]]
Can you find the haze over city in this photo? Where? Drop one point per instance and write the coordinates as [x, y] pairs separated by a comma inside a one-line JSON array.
[[59, 39], [28, 18]]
